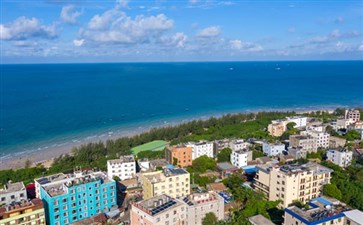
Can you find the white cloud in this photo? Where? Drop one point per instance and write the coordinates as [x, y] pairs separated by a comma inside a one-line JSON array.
[[69, 14], [209, 32], [291, 30], [78, 42], [177, 40], [121, 3], [339, 19], [114, 26], [360, 48], [244, 46], [24, 28]]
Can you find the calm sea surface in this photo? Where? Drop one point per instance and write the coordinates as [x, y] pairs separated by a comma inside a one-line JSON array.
[[45, 105]]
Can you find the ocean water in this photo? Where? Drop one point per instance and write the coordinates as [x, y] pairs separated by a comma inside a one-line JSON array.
[[47, 105]]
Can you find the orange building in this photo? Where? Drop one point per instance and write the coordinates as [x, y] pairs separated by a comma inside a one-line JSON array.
[[182, 154]]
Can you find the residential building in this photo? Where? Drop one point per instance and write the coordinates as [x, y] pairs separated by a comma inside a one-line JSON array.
[[300, 121], [297, 153], [201, 148], [239, 144], [220, 145], [316, 125], [226, 169], [353, 115], [179, 155], [50, 179], [341, 156], [143, 165], [159, 210], [123, 168], [173, 182], [199, 204], [79, 196], [273, 149], [322, 138], [23, 212], [323, 211], [354, 217], [12, 192], [343, 123], [336, 142], [260, 220], [307, 143], [291, 182], [276, 128], [240, 157], [356, 126]]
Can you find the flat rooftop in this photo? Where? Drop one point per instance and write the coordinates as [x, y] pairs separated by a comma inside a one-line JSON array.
[[260, 220], [60, 186], [315, 168], [226, 166], [123, 159], [162, 175], [52, 178], [18, 206], [318, 211], [12, 187], [157, 204], [201, 198]]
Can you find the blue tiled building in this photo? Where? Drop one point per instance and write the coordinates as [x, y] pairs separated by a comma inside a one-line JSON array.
[[78, 197]]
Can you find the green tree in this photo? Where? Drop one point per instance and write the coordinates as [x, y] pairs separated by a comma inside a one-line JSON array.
[[116, 178], [224, 155], [233, 182], [203, 164], [28, 164], [330, 130], [290, 125], [210, 219], [352, 135], [332, 191]]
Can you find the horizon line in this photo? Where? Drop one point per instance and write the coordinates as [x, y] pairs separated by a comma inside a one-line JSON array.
[[212, 61]]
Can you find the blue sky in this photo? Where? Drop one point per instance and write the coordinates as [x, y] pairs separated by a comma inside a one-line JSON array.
[[54, 31]]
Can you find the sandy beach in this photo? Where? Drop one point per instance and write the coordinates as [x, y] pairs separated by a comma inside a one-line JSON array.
[[46, 156]]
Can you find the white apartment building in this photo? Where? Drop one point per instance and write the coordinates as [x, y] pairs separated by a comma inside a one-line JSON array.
[[273, 149], [199, 204], [238, 144], [13, 192], [291, 182], [306, 143], [124, 167], [322, 138], [240, 158], [159, 210], [343, 123], [341, 157], [201, 148], [299, 120]]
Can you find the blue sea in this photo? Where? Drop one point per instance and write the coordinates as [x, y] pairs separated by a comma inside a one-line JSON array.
[[49, 105]]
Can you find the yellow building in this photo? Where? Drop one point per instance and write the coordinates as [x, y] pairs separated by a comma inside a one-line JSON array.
[[292, 182], [173, 182], [277, 128], [24, 212]]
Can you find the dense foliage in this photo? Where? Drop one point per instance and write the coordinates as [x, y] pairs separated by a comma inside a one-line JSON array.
[[250, 203], [210, 219], [96, 154], [203, 164], [224, 155], [332, 191], [349, 182]]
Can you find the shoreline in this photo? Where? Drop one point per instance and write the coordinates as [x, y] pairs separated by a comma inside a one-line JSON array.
[[46, 154]]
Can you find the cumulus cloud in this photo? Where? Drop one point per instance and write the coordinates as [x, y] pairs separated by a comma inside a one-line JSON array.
[[69, 14], [245, 46], [209, 32], [114, 26], [177, 40], [78, 42], [360, 48], [23, 28]]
